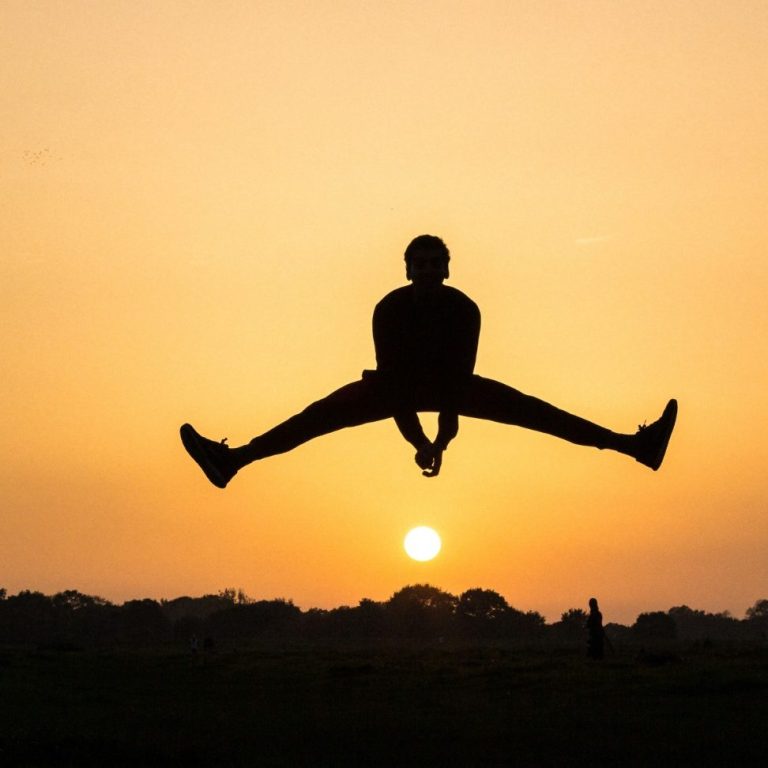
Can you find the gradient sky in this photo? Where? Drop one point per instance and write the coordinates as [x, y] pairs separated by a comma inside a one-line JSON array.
[[201, 203]]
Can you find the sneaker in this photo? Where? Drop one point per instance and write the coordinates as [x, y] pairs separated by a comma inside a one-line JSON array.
[[652, 440], [212, 457]]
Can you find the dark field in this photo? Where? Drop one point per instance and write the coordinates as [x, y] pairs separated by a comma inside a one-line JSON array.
[[373, 706]]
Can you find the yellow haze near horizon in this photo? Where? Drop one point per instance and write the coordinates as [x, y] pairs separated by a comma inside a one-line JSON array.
[[202, 203]]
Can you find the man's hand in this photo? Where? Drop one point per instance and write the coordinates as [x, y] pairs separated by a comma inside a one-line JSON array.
[[437, 462], [424, 457], [429, 458]]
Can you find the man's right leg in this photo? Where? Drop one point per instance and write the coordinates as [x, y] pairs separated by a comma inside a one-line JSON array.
[[354, 404], [358, 403]]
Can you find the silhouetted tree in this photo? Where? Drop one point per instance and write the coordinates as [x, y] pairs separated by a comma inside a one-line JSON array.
[[697, 626], [572, 627], [197, 607], [758, 612], [369, 618], [341, 623], [655, 625], [618, 634], [480, 612], [30, 618], [757, 620], [484, 604], [72, 600], [143, 623], [82, 620], [259, 619], [234, 596], [519, 625], [421, 610], [314, 623], [72, 619]]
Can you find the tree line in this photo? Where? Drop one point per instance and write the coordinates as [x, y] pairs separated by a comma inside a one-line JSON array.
[[72, 620]]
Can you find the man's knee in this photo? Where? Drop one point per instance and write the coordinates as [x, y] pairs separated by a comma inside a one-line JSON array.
[[489, 399], [354, 403]]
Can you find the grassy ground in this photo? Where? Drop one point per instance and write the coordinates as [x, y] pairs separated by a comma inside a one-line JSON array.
[[371, 707]]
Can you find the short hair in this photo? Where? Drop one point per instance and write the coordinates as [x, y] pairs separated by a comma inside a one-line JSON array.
[[427, 243]]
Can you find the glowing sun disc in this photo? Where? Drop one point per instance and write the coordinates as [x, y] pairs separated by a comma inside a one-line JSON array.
[[422, 543]]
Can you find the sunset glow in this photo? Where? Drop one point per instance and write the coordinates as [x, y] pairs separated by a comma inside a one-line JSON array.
[[202, 203]]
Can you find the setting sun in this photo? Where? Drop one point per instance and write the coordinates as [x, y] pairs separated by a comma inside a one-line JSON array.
[[422, 543]]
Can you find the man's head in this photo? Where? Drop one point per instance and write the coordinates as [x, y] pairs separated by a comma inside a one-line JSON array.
[[426, 260]]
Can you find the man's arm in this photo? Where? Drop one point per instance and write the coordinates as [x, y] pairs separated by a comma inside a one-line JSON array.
[[466, 338], [410, 428], [387, 342], [428, 456], [447, 428]]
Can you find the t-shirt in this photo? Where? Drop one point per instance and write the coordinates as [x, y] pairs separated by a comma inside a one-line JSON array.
[[427, 345]]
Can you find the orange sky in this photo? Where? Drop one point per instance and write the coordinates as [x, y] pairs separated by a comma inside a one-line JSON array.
[[202, 202]]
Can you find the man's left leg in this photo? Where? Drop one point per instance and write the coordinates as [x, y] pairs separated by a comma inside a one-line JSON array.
[[488, 399]]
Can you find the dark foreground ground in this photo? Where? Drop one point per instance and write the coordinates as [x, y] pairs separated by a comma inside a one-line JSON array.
[[380, 707]]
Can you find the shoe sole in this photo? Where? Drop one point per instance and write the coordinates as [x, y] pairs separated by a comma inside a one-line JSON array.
[[195, 447], [669, 417]]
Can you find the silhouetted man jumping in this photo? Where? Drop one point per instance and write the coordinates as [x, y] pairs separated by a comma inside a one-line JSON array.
[[426, 337]]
